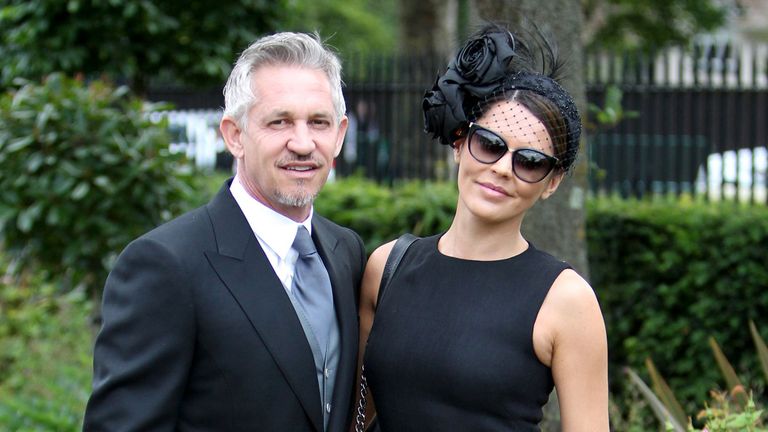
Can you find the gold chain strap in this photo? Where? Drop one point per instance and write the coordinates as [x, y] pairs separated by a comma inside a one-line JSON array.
[[360, 417]]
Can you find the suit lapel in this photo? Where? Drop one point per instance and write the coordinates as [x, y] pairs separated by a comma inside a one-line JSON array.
[[246, 272]]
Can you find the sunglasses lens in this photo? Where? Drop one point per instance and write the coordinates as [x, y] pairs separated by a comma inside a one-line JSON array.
[[530, 165], [486, 147]]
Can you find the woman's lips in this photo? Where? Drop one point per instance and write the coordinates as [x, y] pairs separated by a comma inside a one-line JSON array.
[[493, 187]]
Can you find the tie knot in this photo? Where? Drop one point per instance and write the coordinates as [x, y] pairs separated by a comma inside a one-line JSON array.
[[303, 242]]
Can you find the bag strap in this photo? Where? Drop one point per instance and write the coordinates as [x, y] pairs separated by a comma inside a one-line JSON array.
[[393, 260]]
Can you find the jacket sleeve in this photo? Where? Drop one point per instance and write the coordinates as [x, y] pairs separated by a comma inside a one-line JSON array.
[[143, 352]]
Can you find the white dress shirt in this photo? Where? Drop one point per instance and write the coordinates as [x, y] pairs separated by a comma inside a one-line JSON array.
[[274, 231]]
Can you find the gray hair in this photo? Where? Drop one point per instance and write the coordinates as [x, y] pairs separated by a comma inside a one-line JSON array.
[[286, 48]]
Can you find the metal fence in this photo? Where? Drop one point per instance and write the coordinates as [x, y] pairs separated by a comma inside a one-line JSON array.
[[700, 124], [385, 140]]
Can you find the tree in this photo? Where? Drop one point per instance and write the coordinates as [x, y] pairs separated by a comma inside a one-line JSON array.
[[351, 26], [131, 39], [557, 224], [185, 42], [648, 24], [428, 26]]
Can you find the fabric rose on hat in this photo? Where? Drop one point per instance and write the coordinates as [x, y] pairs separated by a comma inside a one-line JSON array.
[[477, 72]]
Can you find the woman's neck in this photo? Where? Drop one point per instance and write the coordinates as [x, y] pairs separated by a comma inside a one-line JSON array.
[[470, 238]]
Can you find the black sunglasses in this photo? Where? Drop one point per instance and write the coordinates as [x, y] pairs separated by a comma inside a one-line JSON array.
[[529, 165]]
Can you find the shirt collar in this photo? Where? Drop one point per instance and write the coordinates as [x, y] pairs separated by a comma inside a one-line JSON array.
[[271, 227]]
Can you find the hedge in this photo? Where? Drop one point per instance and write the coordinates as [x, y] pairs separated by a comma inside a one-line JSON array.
[[380, 214], [670, 274]]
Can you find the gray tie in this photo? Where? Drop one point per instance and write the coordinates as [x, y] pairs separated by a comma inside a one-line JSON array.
[[312, 288]]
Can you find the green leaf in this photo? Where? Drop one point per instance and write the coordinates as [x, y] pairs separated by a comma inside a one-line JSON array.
[[80, 191], [53, 217], [28, 216], [44, 115], [665, 393], [103, 182], [34, 162], [658, 408], [19, 144], [762, 350], [731, 379]]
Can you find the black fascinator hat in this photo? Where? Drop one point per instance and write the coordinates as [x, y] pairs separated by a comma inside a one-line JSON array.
[[492, 63]]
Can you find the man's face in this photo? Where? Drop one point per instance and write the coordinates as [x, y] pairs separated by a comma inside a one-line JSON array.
[[287, 149]]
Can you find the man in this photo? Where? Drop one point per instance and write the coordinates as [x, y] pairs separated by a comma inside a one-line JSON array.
[[209, 321]]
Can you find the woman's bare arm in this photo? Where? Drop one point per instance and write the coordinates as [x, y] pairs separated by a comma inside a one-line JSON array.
[[367, 309], [570, 337]]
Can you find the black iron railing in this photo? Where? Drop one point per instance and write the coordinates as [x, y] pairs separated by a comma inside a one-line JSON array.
[[700, 123]]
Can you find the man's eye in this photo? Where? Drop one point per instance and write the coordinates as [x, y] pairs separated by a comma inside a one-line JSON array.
[[322, 123], [278, 122]]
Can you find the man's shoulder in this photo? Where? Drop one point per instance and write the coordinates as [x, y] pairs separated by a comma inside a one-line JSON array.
[[195, 221], [187, 226]]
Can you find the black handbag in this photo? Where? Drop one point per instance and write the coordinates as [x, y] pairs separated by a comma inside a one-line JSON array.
[[393, 260]]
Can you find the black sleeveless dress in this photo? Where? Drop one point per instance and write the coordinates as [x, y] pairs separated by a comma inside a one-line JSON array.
[[451, 345]]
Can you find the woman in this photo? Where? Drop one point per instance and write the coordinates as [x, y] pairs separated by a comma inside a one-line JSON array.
[[476, 324]]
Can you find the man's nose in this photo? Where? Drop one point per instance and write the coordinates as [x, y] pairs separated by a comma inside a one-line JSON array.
[[301, 140]]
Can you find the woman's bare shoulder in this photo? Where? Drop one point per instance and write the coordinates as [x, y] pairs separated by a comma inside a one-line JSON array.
[[374, 268], [570, 289]]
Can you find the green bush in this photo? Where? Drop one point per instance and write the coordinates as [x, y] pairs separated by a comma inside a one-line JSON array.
[[670, 275], [84, 172], [380, 214], [45, 355]]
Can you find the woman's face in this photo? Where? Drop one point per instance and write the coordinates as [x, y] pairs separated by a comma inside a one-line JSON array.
[[493, 192]]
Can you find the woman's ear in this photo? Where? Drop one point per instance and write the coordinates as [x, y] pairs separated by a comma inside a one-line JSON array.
[[552, 184], [458, 146]]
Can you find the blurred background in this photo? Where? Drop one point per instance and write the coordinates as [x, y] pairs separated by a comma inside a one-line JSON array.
[[109, 115]]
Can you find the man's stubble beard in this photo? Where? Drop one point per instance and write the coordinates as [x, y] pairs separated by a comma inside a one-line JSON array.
[[301, 198]]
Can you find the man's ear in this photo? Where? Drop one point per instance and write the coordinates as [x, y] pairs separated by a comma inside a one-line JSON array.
[[343, 125], [552, 184], [231, 133]]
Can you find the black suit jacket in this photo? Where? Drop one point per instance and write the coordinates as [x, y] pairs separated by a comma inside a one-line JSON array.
[[199, 334]]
